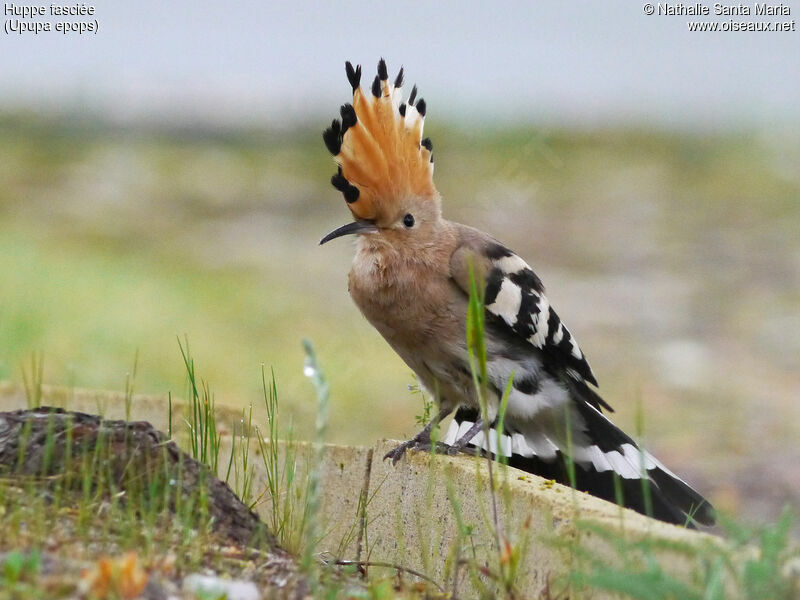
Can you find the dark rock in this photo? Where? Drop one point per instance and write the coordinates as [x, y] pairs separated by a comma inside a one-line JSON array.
[[50, 441]]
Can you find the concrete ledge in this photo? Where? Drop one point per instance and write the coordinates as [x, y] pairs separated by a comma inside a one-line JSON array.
[[409, 517], [409, 514]]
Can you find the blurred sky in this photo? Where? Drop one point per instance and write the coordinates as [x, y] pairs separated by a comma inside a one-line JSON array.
[[571, 63]]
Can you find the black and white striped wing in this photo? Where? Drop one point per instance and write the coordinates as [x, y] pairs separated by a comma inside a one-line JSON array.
[[554, 381], [516, 295]]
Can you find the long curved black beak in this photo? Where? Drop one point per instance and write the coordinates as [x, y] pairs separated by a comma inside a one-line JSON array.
[[359, 226]]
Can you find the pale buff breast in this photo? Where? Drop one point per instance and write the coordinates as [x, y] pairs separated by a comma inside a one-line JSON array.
[[408, 297]]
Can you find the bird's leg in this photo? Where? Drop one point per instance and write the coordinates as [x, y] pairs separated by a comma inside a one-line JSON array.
[[421, 441], [460, 445]]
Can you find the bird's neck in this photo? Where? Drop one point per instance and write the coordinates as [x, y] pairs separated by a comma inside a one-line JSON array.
[[404, 290], [396, 252], [387, 266]]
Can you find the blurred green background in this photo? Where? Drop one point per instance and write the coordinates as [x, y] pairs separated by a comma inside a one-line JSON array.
[[167, 178]]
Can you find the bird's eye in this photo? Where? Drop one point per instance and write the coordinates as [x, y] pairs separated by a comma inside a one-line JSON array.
[[408, 220]]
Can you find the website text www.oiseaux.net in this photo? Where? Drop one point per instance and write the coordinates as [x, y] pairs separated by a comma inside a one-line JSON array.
[[732, 25]]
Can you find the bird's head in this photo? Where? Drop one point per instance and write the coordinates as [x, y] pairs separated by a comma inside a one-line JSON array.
[[385, 167]]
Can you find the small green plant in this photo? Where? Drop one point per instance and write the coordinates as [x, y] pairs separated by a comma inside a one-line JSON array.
[[239, 463], [210, 595], [427, 403], [130, 384], [33, 380], [203, 437], [18, 571], [509, 553], [313, 371], [284, 491], [644, 479]]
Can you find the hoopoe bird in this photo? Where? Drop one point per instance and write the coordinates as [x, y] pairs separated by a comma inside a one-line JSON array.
[[410, 278]]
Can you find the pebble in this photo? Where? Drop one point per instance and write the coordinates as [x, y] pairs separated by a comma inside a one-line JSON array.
[[227, 588]]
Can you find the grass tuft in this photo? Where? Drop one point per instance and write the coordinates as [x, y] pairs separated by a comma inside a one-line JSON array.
[[33, 380], [203, 436], [313, 371], [284, 491]]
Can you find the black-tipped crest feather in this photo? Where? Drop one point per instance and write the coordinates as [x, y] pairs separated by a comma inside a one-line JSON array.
[[351, 194], [427, 143], [333, 137], [350, 191], [339, 182], [398, 81], [413, 95], [353, 75], [383, 73], [349, 117]]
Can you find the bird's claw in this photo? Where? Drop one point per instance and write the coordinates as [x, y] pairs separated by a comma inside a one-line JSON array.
[[421, 446], [397, 453]]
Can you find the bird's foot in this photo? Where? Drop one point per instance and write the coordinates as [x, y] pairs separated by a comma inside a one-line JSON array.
[[463, 448], [422, 445], [421, 441]]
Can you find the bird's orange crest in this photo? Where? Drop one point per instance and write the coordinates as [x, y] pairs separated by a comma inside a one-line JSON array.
[[379, 148]]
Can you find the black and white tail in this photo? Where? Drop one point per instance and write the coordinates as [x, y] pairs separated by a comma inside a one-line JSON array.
[[607, 463]]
